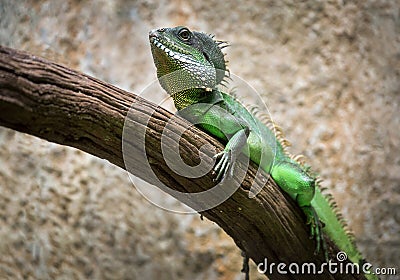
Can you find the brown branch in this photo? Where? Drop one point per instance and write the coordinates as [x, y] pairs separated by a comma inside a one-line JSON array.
[[60, 105]]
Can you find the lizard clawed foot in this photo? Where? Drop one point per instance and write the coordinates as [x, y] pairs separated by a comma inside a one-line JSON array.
[[245, 266], [224, 163], [316, 230]]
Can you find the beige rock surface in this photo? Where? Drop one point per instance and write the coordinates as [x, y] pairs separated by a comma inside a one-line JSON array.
[[329, 71]]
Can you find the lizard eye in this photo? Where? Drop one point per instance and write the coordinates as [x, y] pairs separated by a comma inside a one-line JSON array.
[[185, 34]]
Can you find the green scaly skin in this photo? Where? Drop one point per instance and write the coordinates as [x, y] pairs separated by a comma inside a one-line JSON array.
[[190, 65]]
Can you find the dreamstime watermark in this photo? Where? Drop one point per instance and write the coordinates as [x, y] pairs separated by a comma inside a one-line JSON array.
[[333, 267], [135, 135]]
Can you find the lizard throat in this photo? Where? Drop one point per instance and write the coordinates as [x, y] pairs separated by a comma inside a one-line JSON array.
[[189, 97]]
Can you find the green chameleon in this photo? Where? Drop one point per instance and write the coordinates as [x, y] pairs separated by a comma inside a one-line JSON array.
[[190, 65]]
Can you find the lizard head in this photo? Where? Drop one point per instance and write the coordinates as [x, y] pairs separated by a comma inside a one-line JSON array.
[[187, 59]]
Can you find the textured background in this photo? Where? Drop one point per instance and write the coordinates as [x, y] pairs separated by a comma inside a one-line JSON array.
[[329, 71]]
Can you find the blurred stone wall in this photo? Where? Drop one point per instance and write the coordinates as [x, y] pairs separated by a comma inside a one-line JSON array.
[[328, 70]]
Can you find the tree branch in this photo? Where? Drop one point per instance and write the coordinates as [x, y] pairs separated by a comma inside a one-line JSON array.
[[60, 105]]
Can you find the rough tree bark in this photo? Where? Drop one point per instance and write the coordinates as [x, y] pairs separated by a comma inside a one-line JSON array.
[[61, 105]]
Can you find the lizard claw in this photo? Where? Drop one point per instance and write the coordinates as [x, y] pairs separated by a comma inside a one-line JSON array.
[[316, 230], [223, 165]]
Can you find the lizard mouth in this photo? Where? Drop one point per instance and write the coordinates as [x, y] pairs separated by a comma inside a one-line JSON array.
[[171, 50]]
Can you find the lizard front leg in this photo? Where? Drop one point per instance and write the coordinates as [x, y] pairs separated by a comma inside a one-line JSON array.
[[218, 120], [227, 158]]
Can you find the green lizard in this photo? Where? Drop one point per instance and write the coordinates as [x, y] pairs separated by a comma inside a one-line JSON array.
[[190, 65]]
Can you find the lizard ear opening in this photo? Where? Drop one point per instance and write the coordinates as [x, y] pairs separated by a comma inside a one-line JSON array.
[[220, 65], [218, 59], [207, 57], [212, 52]]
